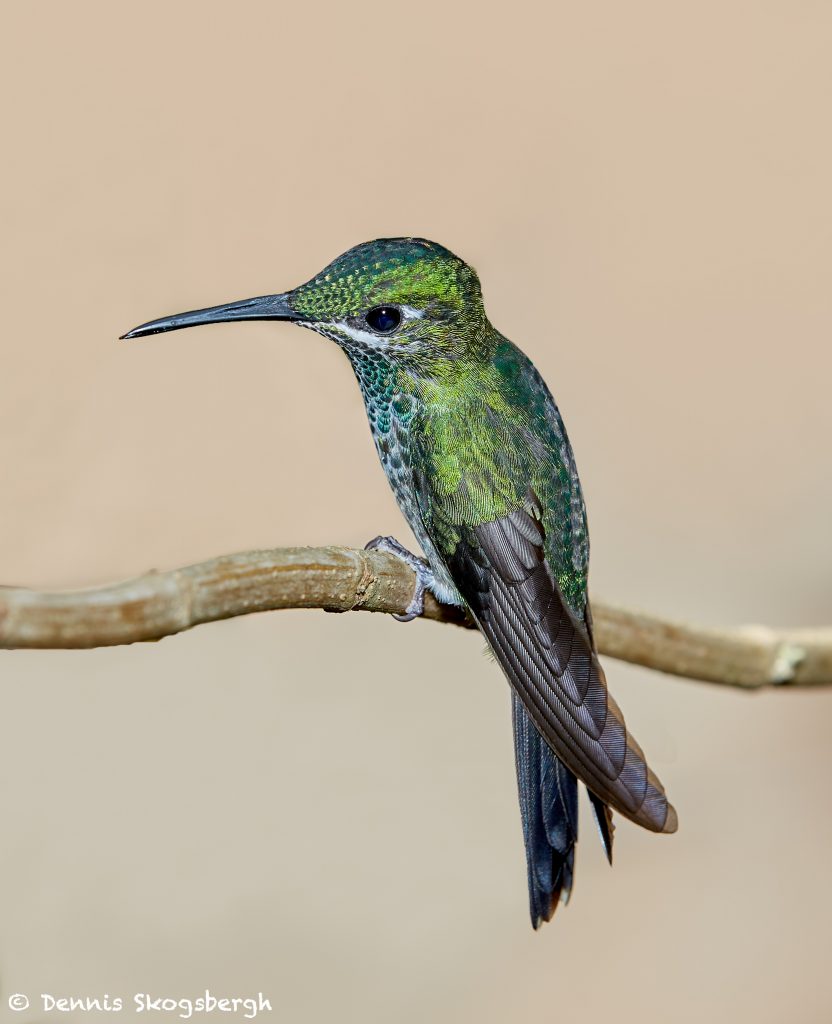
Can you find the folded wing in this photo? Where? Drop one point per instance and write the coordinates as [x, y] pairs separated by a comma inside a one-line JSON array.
[[547, 654]]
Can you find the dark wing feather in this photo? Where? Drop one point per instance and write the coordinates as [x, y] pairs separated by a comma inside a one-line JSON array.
[[546, 651]]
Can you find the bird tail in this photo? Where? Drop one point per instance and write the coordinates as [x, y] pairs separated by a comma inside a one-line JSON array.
[[548, 793]]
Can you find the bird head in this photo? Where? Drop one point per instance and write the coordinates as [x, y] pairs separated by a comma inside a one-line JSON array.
[[404, 297]]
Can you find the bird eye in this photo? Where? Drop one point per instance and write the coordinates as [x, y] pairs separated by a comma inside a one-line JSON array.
[[383, 319]]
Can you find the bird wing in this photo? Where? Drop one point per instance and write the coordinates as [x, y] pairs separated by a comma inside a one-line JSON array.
[[501, 570]]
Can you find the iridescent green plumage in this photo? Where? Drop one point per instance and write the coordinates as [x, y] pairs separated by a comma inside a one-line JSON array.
[[477, 455], [480, 422]]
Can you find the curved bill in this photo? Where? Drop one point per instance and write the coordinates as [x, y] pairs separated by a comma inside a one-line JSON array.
[[264, 307]]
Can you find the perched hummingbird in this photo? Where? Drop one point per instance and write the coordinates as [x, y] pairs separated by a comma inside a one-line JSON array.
[[477, 455]]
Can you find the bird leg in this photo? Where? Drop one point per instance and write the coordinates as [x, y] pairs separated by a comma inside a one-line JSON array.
[[425, 579]]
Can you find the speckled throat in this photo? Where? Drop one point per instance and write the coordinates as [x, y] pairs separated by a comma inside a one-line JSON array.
[[390, 413]]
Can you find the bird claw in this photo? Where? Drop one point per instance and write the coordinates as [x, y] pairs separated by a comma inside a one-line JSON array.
[[417, 603], [424, 574]]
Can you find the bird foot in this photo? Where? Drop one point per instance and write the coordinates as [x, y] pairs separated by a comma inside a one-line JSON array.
[[425, 579]]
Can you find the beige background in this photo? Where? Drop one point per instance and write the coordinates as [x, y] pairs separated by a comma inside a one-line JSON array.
[[321, 807]]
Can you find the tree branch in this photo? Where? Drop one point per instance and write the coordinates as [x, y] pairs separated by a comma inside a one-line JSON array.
[[344, 579]]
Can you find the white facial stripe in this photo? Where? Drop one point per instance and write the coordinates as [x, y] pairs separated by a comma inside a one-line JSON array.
[[370, 338], [367, 338]]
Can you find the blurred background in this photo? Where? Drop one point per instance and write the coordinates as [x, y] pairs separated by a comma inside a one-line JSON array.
[[322, 808]]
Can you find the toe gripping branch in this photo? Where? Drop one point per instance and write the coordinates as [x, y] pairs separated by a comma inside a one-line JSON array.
[[424, 574]]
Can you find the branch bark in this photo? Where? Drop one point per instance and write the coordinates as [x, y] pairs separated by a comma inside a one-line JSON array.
[[337, 579]]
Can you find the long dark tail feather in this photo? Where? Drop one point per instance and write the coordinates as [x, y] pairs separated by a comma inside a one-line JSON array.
[[603, 816], [549, 810]]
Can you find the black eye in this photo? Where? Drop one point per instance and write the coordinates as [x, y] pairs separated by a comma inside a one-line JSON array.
[[384, 319]]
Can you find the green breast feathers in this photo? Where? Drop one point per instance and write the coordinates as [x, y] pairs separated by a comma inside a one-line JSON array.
[[484, 435]]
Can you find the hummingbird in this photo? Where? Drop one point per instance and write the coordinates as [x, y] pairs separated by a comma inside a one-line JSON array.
[[477, 455]]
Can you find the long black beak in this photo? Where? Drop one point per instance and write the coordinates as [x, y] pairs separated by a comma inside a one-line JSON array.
[[264, 307]]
